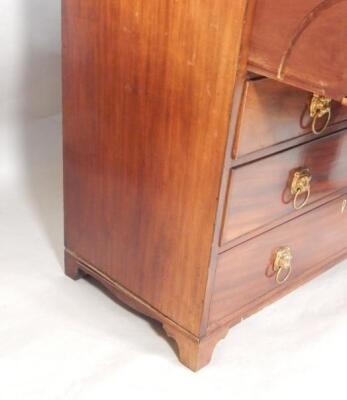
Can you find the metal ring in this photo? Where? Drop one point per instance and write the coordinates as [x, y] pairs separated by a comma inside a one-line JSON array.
[[280, 280], [316, 118], [296, 198]]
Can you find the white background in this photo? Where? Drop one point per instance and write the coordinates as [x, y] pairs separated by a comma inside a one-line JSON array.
[[61, 339]]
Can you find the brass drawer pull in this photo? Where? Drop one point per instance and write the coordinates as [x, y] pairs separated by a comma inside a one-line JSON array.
[[283, 264], [301, 185], [320, 107]]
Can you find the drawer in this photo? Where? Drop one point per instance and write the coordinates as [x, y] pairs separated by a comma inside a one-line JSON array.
[[246, 274], [302, 43], [273, 113], [260, 192]]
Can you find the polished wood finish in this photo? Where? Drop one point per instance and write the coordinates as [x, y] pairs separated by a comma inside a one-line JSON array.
[[272, 113], [302, 43], [195, 353], [77, 268], [242, 73], [255, 186], [245, 274], [154, 103], [72, 269], [146, 119]]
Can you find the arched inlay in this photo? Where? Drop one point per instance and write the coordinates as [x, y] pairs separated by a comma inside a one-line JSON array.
[[311, 17]]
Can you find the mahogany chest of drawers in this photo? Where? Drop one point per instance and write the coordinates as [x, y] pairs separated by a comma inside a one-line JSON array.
[[205, 154]]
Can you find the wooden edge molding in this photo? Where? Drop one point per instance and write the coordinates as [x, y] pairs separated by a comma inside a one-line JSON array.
[[76, 268], [193, 352], [244, 37]]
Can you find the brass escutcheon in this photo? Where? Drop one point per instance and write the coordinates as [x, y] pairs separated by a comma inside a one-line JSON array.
[[301, 185], [320, 107], [283, 264]]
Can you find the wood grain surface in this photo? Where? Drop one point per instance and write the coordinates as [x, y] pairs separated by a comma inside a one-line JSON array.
[[152, 93], [148, 89], [245, 273], [259, 192], [302, 43], [274, 113]]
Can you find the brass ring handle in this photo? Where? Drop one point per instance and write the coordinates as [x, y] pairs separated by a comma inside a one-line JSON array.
[[280, 277], [320, 107], [283, 264], [301, 185], [298, 206], [316, 118]]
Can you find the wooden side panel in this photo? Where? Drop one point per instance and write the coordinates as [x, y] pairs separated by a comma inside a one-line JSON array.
[[147, 97], [259, 192], [302, 43], [274, 113], [245, 273]]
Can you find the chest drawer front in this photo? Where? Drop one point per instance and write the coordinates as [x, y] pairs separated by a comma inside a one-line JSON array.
[[246, 273], [273, 113], [302, 43], [260, 192]]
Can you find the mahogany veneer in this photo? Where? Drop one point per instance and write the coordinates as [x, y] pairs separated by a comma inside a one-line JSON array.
[[253, 187], [160, 109], [275, 113], [302, 43], [245, 274]]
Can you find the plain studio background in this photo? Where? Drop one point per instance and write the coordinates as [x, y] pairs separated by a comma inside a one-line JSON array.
[[65, 340]]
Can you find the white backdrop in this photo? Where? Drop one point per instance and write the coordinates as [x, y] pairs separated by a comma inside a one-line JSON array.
[[63, 340], [29, 78]]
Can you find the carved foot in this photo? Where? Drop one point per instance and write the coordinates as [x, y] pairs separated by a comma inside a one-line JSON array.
[[193, 352], [71, 267]]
